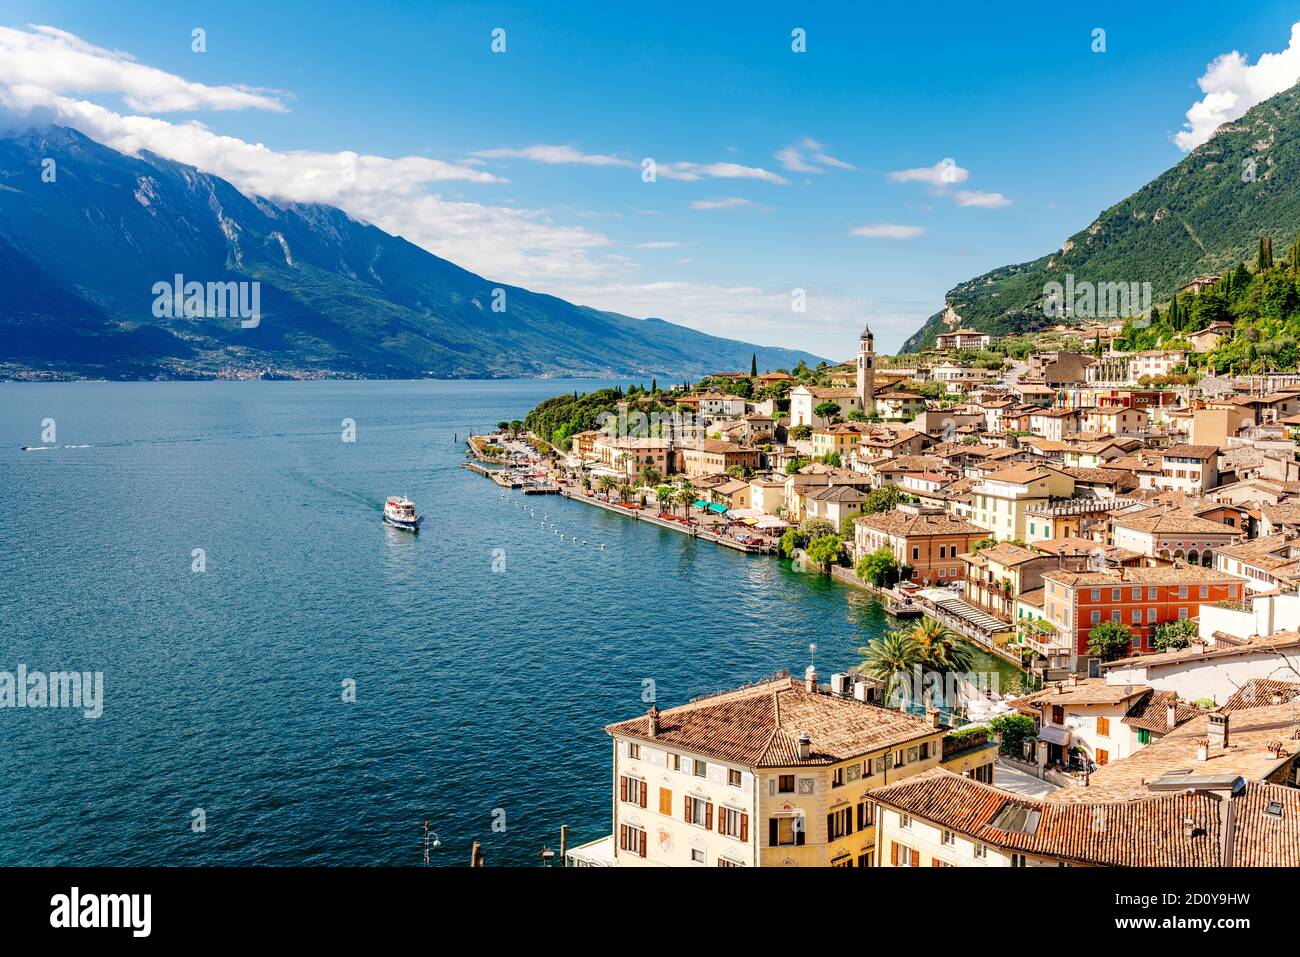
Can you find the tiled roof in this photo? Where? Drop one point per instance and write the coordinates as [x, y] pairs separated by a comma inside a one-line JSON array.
[[1152, 712], [1258, 692], [1162, 575], [1018, 474], [1087, 691], [1260, 643], [1192, 451], [898, 522], [1250, 733], [1006, 554], [1145, 833], [1172, 522], [759, 726]]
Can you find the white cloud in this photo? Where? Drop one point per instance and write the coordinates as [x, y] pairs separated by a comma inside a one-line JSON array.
[[887, 231], [62, 63], [1232, 86], [943, 173], [792, 158], [543, 153], [693, 172], [662, 244], [726, 202], [974, 197]]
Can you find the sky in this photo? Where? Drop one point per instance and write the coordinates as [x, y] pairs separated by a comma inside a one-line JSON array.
[[904, 149]]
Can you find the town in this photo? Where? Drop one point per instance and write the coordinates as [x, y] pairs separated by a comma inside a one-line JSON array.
[[1122, 531]]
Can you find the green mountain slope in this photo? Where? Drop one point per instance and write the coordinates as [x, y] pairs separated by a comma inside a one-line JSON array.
[[1204, 215]]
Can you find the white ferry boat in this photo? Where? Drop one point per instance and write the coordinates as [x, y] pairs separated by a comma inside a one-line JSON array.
[[399, 511]]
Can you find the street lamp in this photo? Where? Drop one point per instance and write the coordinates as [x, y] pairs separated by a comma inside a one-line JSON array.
[[431, 840]]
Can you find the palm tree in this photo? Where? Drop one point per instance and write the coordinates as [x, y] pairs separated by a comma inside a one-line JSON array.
[[890, 658], [664, 495], [605, 483]]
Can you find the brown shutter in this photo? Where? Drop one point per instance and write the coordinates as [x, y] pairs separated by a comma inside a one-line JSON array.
[[934, 862], [686, 809], [644, 789], [893, 853], [708, 815], [722, 820], [622, 788], [916, 858], [666, 802], [830, 827], [643, 843], [744, 827]]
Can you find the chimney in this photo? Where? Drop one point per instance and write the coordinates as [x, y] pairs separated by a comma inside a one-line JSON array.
[[936, 719], [810, 680], [1218, 736], [652, 722], [805, 746], [1202, 750], [1074, 680], [1189, 827], [1171, 715]]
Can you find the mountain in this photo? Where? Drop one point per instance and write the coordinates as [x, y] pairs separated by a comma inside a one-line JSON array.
[[1205, 215], [80, 256]]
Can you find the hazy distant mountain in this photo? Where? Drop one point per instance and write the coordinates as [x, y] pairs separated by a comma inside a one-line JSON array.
[[1204, 215], [79, 258]]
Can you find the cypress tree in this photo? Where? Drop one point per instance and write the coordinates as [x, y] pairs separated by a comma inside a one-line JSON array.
[[753, 365], [1264, 258]]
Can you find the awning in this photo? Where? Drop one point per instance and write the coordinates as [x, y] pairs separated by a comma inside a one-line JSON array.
[[1055, 735], [716, 507], [700, 503]]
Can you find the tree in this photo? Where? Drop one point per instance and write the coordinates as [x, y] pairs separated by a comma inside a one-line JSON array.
[[792, 541], [1173, 635], [801, 431], [881, 499], [664, 495], [825, 550], [605, 483], [753, 365], [889, 659], [651, 475], [1264, 259], [503, 426], [941, 650], [1109, 640], [881, 568], [516, 426], [848, 526], [828, 409], [1015, 728], [815, 527]]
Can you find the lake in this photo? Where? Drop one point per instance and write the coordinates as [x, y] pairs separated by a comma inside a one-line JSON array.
[[325, 684]]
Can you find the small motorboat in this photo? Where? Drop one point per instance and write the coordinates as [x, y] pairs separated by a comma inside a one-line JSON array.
[[399, 511]]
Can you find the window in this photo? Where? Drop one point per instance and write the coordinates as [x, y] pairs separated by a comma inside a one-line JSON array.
[[1103, 756], [949, 838], [733, 777], [697, 856], [925, 750], [912, 754], [785, 831], [916, 552], [1182, 614], [1137, 594], [904, 856], [1058, 714], [837, 778], [980, 851], [1144, 736], [632, 791], [866, 859], [1096, 617], [785, 784], [1151, 594], [1017, 860], [1114, 594], [675, 761], [868, 768], [1137, 616], [866, 814], [1114, 615], [733, 823], [633, 750], [699, 812], [1096, 594], [1151, 614], [631, 839], [904, 820], [1103, 726], [723, 862], [898, 759], [701, 768], [1205, 591], [1182, 591], [839, 824]]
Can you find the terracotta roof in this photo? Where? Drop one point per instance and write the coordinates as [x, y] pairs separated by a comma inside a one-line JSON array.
[[1018, 474], [759, 726], [1255, 645], [1162, 575], [1192, 451], [1152, 712], [1258, 692], [1250, 733], [898, 522], [1006, 554], [837, 493], [1146, 833], [1172, 521], [1087, 691]]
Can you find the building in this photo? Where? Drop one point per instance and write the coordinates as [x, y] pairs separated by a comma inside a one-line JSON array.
[[1189, 468], [866, 372], [716, 405], [962, 339], [710, 456], [1141, 598], [942, 819], [1055, 424], [1213, 669], [998, 574], [841, 438], [834, 502], [1170, 534], [1207, 339], [926, 539], [1154, 363], [1087, 715], [901, 406], [804, 399], [629, 455], [1001, 502], [776, 774]]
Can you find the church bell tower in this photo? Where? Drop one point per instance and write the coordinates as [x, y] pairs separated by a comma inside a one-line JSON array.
[[867, 371]]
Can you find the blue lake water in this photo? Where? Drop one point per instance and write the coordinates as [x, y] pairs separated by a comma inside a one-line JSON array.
[[480, 696]]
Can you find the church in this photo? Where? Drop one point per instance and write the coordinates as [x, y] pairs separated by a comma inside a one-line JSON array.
[[804, 399]]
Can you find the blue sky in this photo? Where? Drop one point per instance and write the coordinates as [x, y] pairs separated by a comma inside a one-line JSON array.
[[1044, 133]]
